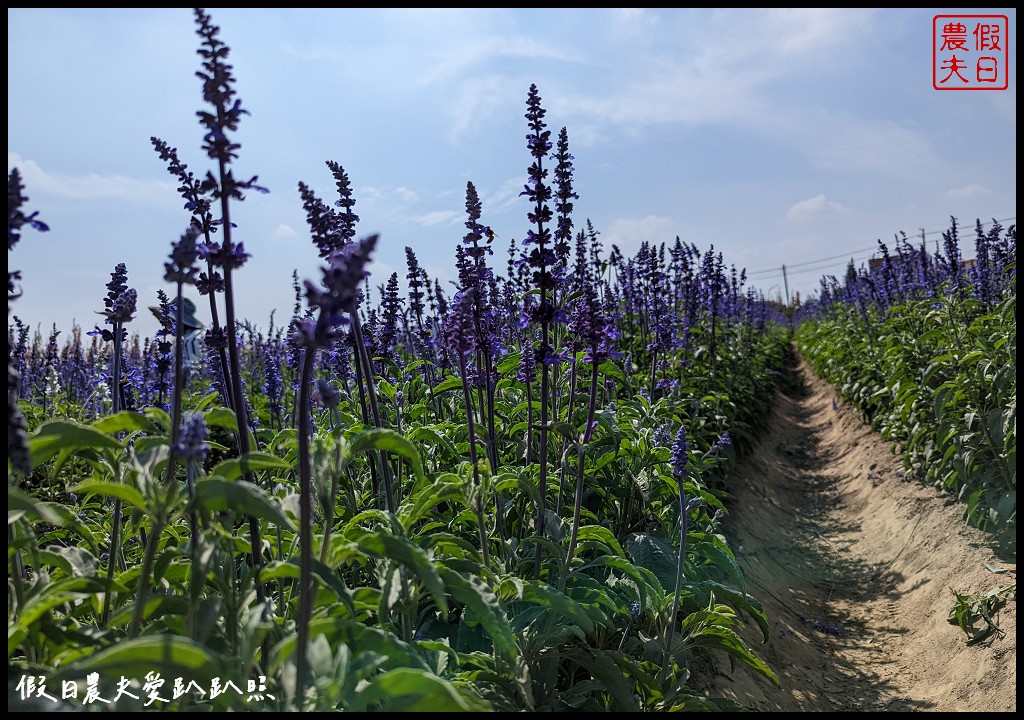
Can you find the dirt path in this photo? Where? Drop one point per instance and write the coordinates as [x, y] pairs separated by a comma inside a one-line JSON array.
[[854, 567]]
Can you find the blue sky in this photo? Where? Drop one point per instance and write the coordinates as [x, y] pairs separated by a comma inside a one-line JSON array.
[[777, 136]]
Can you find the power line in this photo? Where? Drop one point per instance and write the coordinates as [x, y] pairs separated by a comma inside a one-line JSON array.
[[777, 272]]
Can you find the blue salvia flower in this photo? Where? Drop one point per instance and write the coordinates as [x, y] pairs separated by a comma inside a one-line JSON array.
[[721, 443], [346, 218], [273, 386], [564, 196], [541, 257], [323, 222], [590, 329], [662, 436], [120, 303], [327, 394], [193, 445], [213, 342], [679, 458], [458, 331], [391, 305], [527, 365], [337, 294], [17, 429], [219, 92], [981, 271], [952, 261], [415, 282], [181, 268], [191, 188], [16, 220]]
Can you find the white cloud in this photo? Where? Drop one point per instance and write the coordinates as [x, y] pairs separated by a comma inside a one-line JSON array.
[[505, 197], [92, 186], [436, 218], [285, 231], [817, 205], [480, 98], [406, 195], [966, 192], [629, 234], [727, 67], [463, 54], [860, 145]]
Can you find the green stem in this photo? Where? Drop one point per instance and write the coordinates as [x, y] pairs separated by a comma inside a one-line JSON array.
[[147, 569], [306, 589]]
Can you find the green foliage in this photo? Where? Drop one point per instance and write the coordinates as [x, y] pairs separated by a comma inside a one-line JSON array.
[[938, 378], [451, 598], [970, 610]]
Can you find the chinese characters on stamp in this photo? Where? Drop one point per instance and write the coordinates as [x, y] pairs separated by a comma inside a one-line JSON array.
[[970, 52]]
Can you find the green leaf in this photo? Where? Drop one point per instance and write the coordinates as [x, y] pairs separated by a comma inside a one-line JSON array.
[[156, 606], [654, 552], [172, 656], [610, 369], [403, 551], [74, 561], [508, 363], [357, 635], [55, 594], [413, 690], [483, 607], [55, 436], [600, 534], [433, 439], [723, 638], [125, 493], [603, 667], [449, 383], [126, 421], [216, 493], [20, 503], [324, 574], [446, 488], [386, 389], [221, 417], [546, 596], [236, 467], [739, 600], [389, 440]]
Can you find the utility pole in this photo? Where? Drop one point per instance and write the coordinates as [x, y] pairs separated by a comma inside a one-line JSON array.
[[785, 283]]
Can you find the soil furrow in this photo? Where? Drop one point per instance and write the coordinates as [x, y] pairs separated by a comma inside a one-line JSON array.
[[855, 567]]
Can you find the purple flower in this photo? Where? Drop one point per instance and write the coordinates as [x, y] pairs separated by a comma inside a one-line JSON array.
[[722, 441], [182, 265], [121, 300], [326, 393], [337, 294], [346, 218], [458, 331], [680, 454], [192, 444]]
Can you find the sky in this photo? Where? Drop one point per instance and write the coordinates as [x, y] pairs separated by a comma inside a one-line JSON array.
[[794, 138]]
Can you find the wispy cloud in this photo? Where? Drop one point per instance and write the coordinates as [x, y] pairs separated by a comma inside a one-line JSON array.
[[93, 186], [406, 195], [966, 192], [505, 197], [628, 234], [813, 207], [726, 66], [436, 218]]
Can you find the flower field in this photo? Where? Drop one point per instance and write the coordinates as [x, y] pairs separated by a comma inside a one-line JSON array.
[[503, 496]]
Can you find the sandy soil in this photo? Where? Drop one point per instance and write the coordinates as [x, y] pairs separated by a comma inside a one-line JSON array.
[[855, 567]]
